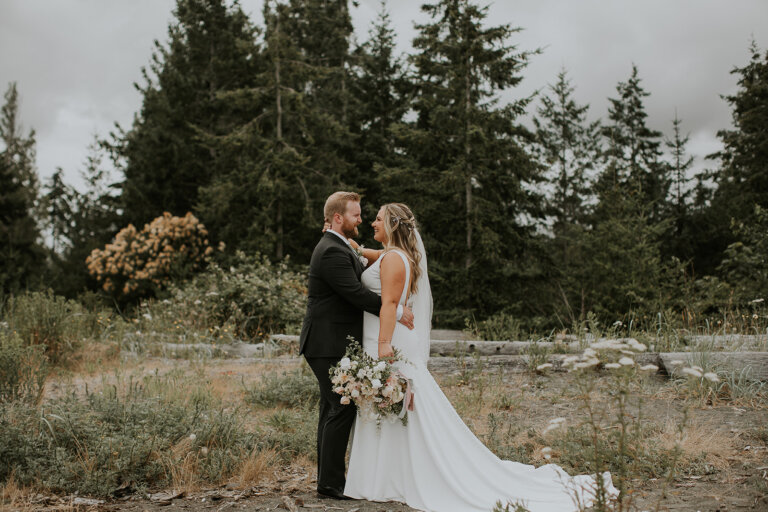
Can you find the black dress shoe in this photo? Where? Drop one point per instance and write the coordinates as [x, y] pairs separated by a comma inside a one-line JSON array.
[[329, 492]]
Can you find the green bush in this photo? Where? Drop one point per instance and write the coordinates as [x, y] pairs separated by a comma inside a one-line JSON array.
[[291, 433], [251, 299], [96, 443], [42, 318], [23, 369], [498, 327], [295, 389]]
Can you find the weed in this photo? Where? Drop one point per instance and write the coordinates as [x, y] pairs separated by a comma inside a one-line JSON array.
[[23, 370], [41, 318], [289, 389]]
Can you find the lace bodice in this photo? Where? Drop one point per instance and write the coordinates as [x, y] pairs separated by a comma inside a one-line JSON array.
[[371, 278]]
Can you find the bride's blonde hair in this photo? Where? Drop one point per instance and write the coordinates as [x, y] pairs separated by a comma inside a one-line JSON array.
[[400, 227]]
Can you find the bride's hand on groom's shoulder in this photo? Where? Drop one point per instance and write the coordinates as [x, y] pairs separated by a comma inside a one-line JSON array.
[[326, 226], [407, 318]]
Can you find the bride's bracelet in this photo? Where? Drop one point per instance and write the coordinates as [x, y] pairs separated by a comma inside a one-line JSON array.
[[384, 342]]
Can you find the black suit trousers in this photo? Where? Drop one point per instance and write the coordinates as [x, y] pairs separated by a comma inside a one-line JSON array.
[[333, 427]]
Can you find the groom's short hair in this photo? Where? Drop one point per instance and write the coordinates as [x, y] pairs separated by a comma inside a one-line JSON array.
[[337, 203]]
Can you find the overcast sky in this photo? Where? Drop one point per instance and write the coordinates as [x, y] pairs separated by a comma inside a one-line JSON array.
[[75, 61]]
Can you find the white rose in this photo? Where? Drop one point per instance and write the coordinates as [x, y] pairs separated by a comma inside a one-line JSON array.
[[376, 384], [344, 400], [345, 363], [355, 393]]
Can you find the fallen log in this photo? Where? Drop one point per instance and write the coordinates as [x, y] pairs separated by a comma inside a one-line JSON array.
[[754, 364]]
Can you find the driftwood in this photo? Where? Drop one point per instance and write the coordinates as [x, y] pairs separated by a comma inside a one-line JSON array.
[[493, 348], [754, 363], [513, 362]]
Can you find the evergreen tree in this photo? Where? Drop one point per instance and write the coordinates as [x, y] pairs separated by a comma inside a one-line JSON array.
[[21, 256], [570, 147], [680, 240], [379, 89], [282, 162], [466, 173], [633, 155], [742, 177], [79, 222], [211, 49], [622, 270]]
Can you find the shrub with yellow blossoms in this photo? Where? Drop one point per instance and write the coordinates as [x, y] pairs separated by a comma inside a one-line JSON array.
[[137, 263]]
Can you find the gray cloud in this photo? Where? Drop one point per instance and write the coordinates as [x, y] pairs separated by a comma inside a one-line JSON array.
[[75, 61]]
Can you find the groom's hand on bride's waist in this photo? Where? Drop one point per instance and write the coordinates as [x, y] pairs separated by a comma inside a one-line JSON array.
[[407, 318]]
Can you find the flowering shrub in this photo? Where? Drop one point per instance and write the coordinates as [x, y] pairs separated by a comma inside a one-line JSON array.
[[138, 263]]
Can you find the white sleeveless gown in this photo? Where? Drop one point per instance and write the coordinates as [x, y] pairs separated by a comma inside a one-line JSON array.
[[436, 463]]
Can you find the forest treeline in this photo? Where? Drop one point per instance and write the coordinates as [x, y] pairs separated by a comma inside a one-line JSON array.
[[250, 126]]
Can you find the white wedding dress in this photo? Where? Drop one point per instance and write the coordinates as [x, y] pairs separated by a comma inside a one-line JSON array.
[[436, 463]]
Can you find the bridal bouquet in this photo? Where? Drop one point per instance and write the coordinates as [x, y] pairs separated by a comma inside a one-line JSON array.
[[378, 389]]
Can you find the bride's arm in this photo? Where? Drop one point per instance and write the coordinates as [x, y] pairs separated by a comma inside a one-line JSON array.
[[370, 254], [392, 283]]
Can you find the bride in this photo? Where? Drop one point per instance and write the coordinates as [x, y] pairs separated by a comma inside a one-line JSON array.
[[435, 463]]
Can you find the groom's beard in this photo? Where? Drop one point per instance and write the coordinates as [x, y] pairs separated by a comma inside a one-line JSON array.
[[349, 231]]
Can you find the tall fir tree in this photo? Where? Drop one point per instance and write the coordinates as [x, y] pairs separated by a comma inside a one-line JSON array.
[[21, 255], [211, 49], [381, 98], [569, 146], [633, 152], [679, 237], [282, 160], [742, 175], [467, 175], [79, 222]]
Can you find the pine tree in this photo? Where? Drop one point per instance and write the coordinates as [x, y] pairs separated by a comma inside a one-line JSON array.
[[633, 155], [570, 147], [742, 177], [282, 162], [21, 256], [379, 87], [466, 170], [211, 49], [79, 222], [679, 241]]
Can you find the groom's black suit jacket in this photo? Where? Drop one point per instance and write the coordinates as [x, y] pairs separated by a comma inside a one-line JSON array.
[[336, 298]]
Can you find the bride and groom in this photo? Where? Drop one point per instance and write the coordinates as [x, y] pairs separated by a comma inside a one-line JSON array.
[[435, 463]]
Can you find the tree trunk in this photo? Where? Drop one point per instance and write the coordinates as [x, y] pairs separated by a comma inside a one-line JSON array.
[[468, 185]]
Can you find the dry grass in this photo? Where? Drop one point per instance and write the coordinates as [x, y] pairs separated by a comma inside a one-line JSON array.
[[94, 357], [12, 495], [257, 467], [183, 465], [697, 439]]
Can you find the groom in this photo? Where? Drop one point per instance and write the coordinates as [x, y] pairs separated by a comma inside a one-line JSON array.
[[334, 311]]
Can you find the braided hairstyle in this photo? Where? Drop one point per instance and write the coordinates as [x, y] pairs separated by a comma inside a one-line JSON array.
[[400, 227]]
